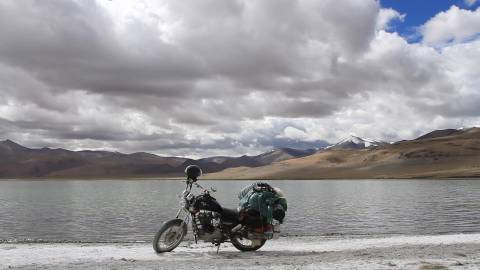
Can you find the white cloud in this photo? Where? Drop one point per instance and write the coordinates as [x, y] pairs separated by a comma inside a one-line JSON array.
[[386, 16], [200, 78], [470, 2], [293, 133], [452, 26]]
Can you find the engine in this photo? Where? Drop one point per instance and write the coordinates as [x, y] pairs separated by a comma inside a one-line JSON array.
[[208, 226]]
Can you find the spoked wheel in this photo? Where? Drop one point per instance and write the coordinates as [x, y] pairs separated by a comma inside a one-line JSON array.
[[244, 244], [169, 236]]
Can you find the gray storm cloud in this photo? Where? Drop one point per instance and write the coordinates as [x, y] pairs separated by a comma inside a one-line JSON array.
[[200, 78]]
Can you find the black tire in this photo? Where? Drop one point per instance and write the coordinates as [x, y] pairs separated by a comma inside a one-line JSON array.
[[237, 243], [174, 237]]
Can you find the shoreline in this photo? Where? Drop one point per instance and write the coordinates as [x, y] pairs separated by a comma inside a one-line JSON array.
[[454, 251], [234, 179]]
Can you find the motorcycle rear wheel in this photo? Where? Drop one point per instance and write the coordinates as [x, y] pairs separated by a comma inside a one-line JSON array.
[[244, 244], [170, 235]]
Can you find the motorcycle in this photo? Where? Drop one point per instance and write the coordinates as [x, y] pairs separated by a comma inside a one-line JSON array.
[[210, 222]]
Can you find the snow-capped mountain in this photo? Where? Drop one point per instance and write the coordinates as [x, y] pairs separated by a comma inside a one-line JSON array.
[[354, 142]]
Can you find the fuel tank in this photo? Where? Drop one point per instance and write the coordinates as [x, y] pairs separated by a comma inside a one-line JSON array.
[[207, 202]]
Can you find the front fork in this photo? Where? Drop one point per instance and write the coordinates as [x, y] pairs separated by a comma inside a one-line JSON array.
[[184, 214]]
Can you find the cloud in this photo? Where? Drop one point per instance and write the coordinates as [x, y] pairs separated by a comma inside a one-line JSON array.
[[200, 78], [452, 26], [470, 2], [293, 133], [386, 16]]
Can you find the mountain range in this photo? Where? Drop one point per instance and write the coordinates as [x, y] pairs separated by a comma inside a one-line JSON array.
[[440, 153], [17, 161], [450, 153], [354, 142]]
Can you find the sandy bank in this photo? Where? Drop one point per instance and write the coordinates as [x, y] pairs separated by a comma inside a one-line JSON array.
[[399, 252]]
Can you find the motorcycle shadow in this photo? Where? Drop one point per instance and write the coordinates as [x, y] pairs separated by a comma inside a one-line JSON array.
[[267, 253]]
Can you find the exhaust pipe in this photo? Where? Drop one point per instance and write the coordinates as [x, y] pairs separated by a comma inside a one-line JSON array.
[[236, 228]]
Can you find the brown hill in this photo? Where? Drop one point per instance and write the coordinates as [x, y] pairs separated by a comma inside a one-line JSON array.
[[17, 161], [281, 154], [441, 133], [440, 154], [218, 163]]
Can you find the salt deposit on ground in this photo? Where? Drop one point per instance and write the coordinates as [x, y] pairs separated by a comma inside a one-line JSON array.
[[460, 251]]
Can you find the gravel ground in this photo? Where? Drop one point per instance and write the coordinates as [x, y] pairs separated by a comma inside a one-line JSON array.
[[399, 252]]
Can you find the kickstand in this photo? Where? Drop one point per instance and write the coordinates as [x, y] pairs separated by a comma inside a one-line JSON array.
[[218, 247]]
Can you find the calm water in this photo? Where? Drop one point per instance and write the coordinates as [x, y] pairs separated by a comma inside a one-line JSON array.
[[134, 210]]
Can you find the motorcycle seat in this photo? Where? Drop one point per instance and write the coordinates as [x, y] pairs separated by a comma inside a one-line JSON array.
[[230, 214]]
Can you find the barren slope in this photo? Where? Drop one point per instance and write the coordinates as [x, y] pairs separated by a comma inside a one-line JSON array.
[[456, 155]]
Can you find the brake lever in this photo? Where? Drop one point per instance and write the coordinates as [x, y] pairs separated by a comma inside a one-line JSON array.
[[212, 189], [200, 187]]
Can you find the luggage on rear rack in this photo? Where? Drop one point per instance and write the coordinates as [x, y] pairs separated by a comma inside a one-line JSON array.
[[261, 203]]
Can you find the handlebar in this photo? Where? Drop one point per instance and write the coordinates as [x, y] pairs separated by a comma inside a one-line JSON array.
[[191, 183]]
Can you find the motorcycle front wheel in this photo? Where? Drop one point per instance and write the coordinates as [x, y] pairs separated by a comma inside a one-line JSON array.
[[244, 244], [169, 236]]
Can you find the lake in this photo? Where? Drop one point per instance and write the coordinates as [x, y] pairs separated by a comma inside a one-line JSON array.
[[126, 211]]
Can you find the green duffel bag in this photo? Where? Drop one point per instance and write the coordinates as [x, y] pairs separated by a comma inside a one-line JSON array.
[[267, 200]]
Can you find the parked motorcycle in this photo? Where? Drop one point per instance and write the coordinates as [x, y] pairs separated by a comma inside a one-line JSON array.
[[210, 222]]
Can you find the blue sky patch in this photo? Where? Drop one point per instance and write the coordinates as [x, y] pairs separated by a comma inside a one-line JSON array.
[[419, 12]]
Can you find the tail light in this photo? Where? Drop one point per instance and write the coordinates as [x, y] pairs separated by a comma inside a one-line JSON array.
[[264, 228]]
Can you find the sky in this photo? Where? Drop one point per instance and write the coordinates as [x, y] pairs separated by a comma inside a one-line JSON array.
[[212, 77]]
